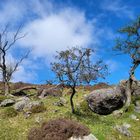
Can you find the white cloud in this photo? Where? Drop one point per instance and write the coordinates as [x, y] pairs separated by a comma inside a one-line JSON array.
[[118, 8], [58, 31]]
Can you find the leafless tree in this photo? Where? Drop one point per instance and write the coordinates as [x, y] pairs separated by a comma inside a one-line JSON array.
[[6, 44], [74, 67], [130, 44]]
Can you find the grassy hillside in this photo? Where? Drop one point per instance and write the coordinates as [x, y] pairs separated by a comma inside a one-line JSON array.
[[17, 127]]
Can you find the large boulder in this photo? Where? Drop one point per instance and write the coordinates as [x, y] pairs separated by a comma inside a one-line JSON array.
[[7, 102], [105, 101]]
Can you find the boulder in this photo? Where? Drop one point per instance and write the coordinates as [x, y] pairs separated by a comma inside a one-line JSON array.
[[34, 107], [22, 102], [7, 102], [54, 91], [137, 107], [105, 101]]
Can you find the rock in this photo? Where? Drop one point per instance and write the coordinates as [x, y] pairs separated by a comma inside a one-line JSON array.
[[89, 137], [137, 103], [117, 113], [35, 107], [105, 101], [54, 91], [23, 99], [27, 114], [22, 102], [63, 100], [7, 102], [123, 129], [59, 103], [135, 87], [134, 117], [137, 107], [38, 119]]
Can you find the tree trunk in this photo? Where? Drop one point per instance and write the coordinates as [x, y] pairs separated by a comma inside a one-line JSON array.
[[129, 89], [6, 88], [71, 100]]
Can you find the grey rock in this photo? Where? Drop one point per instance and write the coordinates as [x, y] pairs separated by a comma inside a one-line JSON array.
[[32, 104], [123, 129], [105, 101], [134, 117], [59, 103], [38, 119], [27, 114], [89, 137], [22, 102], [53, 91], [7, 102], [137, 109], [63, 100]]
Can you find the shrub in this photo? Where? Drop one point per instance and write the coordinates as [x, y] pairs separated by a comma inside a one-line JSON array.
[[59, 129], [9, 112], [84, 108], [38, 108]]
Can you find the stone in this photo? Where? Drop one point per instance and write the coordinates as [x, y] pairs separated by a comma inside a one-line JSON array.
[[89, 137], [63, 100], [105, 101], [27, 114], [59, 103], [137, 109], [134, 117], [123, 129], [34, 107], [54, 91], [38, 119], [22, 102], [7, 102]]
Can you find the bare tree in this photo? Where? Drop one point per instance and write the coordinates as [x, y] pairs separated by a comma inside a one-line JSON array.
[[130, 44], [74, 67], [6, 69]]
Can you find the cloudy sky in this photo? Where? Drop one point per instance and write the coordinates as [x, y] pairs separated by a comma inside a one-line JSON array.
[[54, 25]]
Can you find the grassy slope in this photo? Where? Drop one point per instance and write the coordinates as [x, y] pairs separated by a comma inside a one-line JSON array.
[[17, 128]]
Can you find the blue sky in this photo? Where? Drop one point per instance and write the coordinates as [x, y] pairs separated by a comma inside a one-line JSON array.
[[54, 25]]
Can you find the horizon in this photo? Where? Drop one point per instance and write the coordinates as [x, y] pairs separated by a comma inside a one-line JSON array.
[[54, 26]]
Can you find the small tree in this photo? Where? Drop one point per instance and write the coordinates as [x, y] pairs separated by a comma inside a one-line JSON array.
[[130, 44], [6, 68], [74, 67]]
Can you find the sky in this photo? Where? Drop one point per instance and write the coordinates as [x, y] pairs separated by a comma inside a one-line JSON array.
[[55, 25]]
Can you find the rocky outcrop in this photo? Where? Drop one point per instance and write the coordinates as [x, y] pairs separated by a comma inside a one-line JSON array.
[[53, 91], [22, 102], [105, 101], [7, 102]]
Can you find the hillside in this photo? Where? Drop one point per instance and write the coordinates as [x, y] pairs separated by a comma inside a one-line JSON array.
[[16, 125]]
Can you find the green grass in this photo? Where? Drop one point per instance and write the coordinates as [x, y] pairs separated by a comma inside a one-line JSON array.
[[17, 128]]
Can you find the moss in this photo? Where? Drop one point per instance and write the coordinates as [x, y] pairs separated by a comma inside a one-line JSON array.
[[9, 112], [38, 109], [2, 98]]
